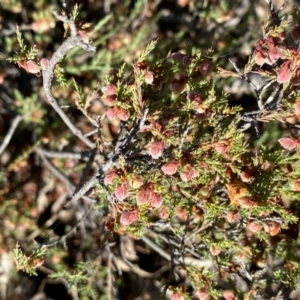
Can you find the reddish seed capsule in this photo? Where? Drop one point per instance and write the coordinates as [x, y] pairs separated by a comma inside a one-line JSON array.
[[179, 87], [205, 68], [296, 33], [186, 60], [177, 57]]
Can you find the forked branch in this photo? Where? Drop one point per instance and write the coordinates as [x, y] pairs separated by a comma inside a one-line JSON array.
[[73, 41]]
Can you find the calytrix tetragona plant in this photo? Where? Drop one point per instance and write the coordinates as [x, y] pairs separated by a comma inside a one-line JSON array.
[[181, 160]]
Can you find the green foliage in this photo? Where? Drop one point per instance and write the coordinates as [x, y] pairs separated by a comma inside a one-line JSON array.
[[30, 108], [30, 263], [23, 53]]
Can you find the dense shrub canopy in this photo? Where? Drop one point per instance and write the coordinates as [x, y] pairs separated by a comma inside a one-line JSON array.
[[150, 149]]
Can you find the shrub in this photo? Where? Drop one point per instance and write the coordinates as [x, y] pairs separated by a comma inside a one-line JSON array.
[[206, 190]]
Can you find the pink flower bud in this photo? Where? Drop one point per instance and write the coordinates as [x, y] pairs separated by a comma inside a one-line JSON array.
[[284, 74], [164, 213], [228, 295], [288, 143], [188, 173], [247, 202], [176, 296], [155, 200], [143, 196], [156, 149], [129, 217], [254, 227], [297, 107], [109, 90], [222, 148], [109, 177], [232, 217], [149, 78], [170, 168], [121, 191], [273, 54], [83, 36], [44, 63], [109, 100], [112, 113], [203, 293], [215, 250], [260, 57], [32, 67], [247, 176], [123, 114]]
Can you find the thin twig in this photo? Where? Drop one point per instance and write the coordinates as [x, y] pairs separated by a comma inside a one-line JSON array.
[[62, 177], [87, 168], [10, 133], [111, 162], [67, 45], [71, 155], [49, 245], [273, 95], [187, 260]]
